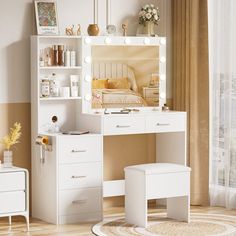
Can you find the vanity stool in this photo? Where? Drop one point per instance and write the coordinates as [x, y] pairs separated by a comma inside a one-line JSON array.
[[155, 181]]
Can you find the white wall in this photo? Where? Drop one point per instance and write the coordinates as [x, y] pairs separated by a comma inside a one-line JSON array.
[[17, 24]]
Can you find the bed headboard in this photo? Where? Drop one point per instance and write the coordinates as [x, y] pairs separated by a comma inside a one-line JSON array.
[[111, 70], [101, 70]]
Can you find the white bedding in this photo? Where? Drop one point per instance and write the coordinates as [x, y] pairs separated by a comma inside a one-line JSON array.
[[104, 98]]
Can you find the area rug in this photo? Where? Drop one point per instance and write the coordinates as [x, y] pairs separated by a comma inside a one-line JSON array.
[[202, 224]]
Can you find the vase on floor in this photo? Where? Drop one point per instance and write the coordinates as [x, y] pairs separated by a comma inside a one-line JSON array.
[[148, 28], [7, 158]]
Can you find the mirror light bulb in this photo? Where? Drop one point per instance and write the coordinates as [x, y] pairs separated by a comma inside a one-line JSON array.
[[162, 95], [87, 59], [163, 41], [146, 41], [163, 59], [107, 40], [88, 78], [127, 40], [163, 77], [87, 40], [87, 97]]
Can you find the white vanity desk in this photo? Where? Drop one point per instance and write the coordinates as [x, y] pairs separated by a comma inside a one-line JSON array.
[[170, 129]]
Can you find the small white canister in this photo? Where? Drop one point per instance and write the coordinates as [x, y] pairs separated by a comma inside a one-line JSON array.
[[65, 92]]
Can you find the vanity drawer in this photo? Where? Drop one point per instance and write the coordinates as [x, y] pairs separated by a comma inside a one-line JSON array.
[[80, 149], [123, 125], [80, 201], [12, 202], [12, 181], [80, 175], [166, 122]]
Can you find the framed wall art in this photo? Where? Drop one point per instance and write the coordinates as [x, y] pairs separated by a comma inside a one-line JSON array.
[[46, 17]]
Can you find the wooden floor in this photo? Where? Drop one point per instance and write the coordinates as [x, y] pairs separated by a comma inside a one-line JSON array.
[[41, 228]]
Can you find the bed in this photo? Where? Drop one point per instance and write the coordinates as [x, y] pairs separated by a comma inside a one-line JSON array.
[[114, 86]]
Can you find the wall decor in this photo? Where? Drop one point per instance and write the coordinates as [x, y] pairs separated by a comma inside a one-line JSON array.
[[46, 17]]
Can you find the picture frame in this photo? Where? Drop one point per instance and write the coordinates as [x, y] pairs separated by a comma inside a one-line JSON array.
[[46, 17]]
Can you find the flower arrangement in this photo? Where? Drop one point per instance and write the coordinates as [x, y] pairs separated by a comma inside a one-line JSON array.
[[13, 137], [149, 13]]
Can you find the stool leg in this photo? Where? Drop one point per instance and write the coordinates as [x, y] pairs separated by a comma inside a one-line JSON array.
[[135, 199], [9, 219], [178, 208]]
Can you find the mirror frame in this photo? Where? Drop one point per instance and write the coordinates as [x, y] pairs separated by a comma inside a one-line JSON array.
[[86, 62]]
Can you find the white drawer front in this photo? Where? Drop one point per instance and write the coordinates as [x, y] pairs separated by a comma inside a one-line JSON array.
[[80, 149], [152, 93], [12, 181], [166, 123], [124, 125], [80, 201], [80, 175], [12, 202]]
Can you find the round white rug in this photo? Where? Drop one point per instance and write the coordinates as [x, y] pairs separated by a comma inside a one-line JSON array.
[[202, 224]]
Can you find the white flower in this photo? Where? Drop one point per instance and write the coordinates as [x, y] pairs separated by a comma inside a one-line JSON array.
[[148, 16], [146, 6], [149, 10], [155, 17], [152, 5], [154, 11], [141, 13]]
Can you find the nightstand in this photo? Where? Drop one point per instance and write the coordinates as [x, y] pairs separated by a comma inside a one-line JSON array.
[[14, 193], [151, 95]]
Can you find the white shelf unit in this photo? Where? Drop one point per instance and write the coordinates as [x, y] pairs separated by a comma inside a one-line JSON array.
[[64, 190]]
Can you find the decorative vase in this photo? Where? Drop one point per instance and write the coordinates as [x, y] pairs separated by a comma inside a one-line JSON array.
[[7, 158], [148, 28], [93, 30]]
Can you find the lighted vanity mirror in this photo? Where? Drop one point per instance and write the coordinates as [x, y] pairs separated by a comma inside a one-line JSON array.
[[127, 75]]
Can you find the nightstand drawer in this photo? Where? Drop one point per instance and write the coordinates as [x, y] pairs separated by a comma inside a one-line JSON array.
[[12, 181], [80, 149], [80, 175], [152, 101], [166, 123], [124, 125], [80, 201], [151, 93], [12, 202]]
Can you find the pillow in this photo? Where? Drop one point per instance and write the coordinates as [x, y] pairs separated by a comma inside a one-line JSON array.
[[119, 83], [100, 83]]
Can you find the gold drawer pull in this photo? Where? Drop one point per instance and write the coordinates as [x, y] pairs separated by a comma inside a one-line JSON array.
[[155, 93], [78, 176], [75, 151], [123, 126], [163, 124], [83, 201]]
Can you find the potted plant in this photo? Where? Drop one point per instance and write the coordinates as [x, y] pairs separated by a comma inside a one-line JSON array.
[[148, 17], [8, 141]]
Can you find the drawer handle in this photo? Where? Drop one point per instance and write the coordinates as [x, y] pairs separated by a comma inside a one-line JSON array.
[[83, 201], [163, 124], [123, 126], [155, 93], [76, 151], [78, 176]]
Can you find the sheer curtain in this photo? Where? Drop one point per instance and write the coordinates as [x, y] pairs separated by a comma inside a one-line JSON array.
[[222, 58]]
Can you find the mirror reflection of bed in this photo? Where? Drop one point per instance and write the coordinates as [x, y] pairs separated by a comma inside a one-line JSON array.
[[125, 76]]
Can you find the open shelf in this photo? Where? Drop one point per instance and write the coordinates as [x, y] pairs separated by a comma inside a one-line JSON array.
[[59, 98], [60, 68]]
